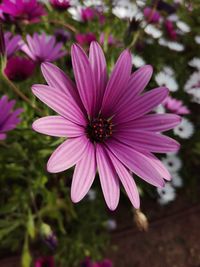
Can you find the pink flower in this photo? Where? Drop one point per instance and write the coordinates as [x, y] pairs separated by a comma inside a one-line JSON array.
[[12, 43], [85, 38], [45, 262], [170, 29], [107, 124], [175, 106], [42, 48], [19, 68], [110, 39], [24, 10], [88, 14], [88, 263], [60, 4], [151, 15], [8, 118]]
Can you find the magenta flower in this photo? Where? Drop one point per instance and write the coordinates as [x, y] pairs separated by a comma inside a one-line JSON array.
[[85, 38], [151, 15], [28, 11], [88, 263], [88, 14], [170, 29], [106, 123], [60, 4], [43, 48], [19, 68], [45, 262], [8, 118], [175, 106], [12, 43]]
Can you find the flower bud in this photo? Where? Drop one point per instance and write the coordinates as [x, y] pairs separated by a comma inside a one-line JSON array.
[[141, 220], [48, 236]]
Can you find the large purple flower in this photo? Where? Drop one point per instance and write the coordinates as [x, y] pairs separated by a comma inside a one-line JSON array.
[[24, 10], [106, 123], [43, 48], [8, 118], [12, 43]]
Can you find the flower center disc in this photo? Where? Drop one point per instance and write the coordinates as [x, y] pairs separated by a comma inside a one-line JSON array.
[[99, 129]]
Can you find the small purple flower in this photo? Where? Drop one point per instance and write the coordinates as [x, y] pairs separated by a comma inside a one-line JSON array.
[[28, 11], [110, 39], [88, 14], [43, 48], [47, 261], [19, 68], [8, 118], [107, 124], [151, 15], [60, 4], [169, 26], [62, 35], [106, 263], [175, 106], [12, 43], [85, 38]]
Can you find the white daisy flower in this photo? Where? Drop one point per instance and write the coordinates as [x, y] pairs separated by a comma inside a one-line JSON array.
[[153, 31], [195, 63], [197, 39], [168, 70], [91, 194], [172, 162], [163, 42], [175, 46], [184, 27], [196, 96], [160, 109], [138, 61], [166, 194], [163, 79], [193, 83], [177, 181], [173, 18], [125, 9], [185, 129], [111, 225], [75, 12]]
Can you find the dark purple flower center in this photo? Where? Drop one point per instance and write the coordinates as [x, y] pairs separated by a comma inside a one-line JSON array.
[[99, 129]]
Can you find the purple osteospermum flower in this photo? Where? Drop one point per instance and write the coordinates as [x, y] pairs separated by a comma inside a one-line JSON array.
[[12, 43], [175, 106], [8, 118], [19, 68], [151, 15], [60, 4], [106, 123], [43, 48], [45, 262], [25, 10]]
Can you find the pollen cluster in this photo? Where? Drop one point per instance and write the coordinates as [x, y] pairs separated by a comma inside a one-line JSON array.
[[99, 129]]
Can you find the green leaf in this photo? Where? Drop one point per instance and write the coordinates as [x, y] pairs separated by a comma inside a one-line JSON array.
[[31, 225]]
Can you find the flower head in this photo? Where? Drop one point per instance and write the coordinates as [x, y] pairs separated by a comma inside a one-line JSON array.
[[8, 118], [45, 261], [42, 48], [25, 10], [151, 15], [85, 38], [107, 124], [185, 129], [175, 106], [19, 68], [12, 43], [166, 194], [60, 4]]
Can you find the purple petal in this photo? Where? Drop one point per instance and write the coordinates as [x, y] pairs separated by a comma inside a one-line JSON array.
[[137, 82], [57, 126], [2, 136], [108, 178], [67, 154], [149, 141], [84, 174], [59, 102], [127, 181], [137, 162], [56, 78], [141, 105], [153, 123], [98, 64], [117, 83], [84, 78]]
